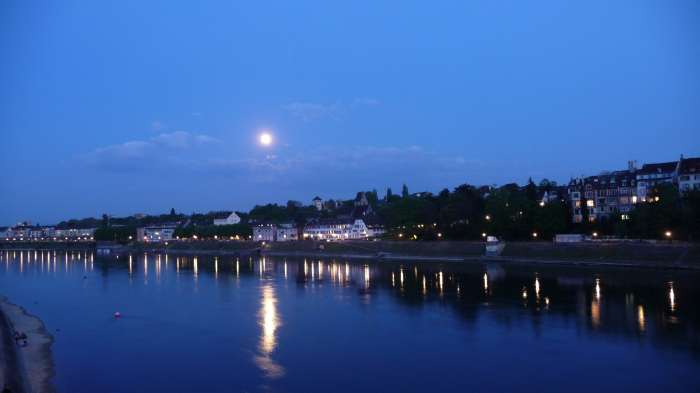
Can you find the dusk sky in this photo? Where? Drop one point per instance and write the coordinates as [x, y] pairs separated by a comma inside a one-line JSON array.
[[129, 107]]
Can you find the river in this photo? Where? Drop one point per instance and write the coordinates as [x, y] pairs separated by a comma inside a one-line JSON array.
[[222, 324]]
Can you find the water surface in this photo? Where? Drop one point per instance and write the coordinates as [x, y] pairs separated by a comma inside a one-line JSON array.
[[222, 324]]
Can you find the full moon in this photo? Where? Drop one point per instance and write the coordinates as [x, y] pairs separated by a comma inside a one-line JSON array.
[[265, 139]]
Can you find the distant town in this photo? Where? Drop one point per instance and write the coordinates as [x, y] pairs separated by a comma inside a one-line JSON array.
[[655, 201]]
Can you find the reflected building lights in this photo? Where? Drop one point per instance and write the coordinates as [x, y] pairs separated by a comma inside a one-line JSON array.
[[440, 281], [195, 267], [597, 289], [131, 264], [486, 282], [595, 313], [537, 287], [672, 298], [640, 318], [269, 321], [401, 277], [367, 275]]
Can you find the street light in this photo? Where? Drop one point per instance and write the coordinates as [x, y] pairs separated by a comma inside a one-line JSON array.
[[668, 234], [534, 234]]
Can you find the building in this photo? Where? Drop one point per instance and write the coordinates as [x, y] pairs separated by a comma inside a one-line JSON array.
[[651, 175], [286, 232], [226, 218], [160, 233], [5, 233], [317, 202], [688, 174], [336, 229], [603, 196], [375, 229], [75, 233], [264, 232], [276, 232]]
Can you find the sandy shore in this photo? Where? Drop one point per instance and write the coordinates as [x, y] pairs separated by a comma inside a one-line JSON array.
[[25, 368]]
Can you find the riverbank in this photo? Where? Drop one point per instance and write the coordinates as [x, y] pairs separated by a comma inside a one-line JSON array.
[[646, 255], [25, 368]]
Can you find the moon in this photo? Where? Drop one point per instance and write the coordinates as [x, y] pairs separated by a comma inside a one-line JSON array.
[[265, 139]]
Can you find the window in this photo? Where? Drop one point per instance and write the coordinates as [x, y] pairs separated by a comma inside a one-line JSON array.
[[624, 217], [590, 203], [685, 178]]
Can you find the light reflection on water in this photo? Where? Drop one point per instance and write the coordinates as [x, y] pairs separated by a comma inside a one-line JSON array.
[[632, 307], [269, 321]]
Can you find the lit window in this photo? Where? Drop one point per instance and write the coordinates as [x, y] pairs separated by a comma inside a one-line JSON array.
[[590, 203]]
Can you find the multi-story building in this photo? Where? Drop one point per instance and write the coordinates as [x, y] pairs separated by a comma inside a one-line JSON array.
[[264, 232], [651, 175], [160, 233], [337, 229], [603, 196], [688, 174], [275, 232], [286, 232], [75, 233]]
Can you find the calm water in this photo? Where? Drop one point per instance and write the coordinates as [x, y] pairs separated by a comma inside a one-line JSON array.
[[292, 325]]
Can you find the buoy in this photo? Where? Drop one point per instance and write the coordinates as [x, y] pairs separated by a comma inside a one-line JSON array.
[[117, 314]]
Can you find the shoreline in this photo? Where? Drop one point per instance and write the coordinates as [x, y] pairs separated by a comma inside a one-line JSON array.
[[31, 367]]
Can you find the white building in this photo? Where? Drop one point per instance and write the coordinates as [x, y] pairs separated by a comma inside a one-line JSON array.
[[264, 232], [74, 233], [375, 230], [155, 233], [654, 174], [689, 174], [337, 230], [275, 232], [227, 219]]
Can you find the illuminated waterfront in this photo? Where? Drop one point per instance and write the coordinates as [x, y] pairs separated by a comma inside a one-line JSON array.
[[290, 325]]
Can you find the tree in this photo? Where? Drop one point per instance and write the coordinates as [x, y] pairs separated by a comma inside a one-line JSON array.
[[404, 191], [531, 190], [172, 211], [388, 194], [105, 220]]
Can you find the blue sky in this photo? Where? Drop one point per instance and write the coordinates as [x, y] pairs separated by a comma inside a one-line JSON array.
[[131, 106]]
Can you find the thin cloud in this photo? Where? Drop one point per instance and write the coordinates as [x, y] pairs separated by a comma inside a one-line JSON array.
[[310, 111], [161, 149]]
